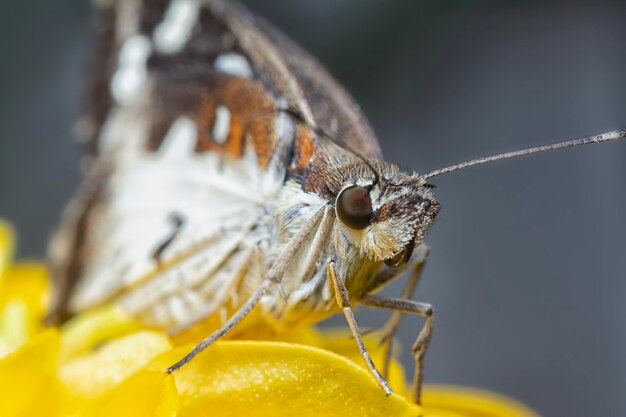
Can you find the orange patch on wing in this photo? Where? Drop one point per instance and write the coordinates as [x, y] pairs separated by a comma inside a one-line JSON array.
[[252, 115], [263, 139], [234, 143], [305, 146]]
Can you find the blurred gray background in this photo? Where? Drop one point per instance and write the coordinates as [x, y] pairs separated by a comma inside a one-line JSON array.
[[529, 256]]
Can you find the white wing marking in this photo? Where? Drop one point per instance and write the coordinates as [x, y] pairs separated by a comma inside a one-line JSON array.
[[131, 74], [233, 64], [214, 294], [219, 199], [185, 275], [221, 127], [173, 32], [180, 139]]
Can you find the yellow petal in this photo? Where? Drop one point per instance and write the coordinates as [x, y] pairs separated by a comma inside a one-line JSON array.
[[338, 340], [341, 342], [305, 335], [446, 401], [145, 394], [275, 379], [27, 372], [91, 375], [87, 330], [27, 281], [23, 303], [7, 240]]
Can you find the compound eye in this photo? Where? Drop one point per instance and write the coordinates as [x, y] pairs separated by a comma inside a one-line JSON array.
[[354, 207], [401, 258]]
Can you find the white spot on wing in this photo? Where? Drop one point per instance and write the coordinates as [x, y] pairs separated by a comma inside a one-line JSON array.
[[219, 197], [178, 309], [180, 140], [131, 74], [234, 64], [123, 134], [221, 127], [282, 125], [172, 33]]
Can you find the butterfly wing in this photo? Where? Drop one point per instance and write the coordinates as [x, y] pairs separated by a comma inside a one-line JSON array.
[[186, 144]]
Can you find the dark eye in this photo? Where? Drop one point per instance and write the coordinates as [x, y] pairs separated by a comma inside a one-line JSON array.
[[354, 207], [401, 258]]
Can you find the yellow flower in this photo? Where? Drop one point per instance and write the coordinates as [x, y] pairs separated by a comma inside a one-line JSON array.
[[24, 296], [104, 364]]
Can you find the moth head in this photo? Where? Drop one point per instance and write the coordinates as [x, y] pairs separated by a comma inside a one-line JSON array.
[[387, 218]]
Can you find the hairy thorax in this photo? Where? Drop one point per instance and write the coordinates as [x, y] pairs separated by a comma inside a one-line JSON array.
[[305, 294]]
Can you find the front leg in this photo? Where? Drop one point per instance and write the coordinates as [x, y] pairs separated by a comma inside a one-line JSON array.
[[423, 338], [391, 326], [343, 300]]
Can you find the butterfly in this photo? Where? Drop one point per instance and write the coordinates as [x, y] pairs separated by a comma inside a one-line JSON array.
[[231, 183]]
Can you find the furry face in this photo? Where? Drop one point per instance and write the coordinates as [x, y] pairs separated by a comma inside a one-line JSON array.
[[402, 211], [377, 214], [381, 210]]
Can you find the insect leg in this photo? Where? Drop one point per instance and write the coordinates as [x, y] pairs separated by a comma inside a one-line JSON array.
[[227, 327], [423, 338], [274, 276], [385, 276], [391, 326], [237, 275], [343, 299]]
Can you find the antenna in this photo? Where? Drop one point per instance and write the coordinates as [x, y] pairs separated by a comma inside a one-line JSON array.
[[605, 137]]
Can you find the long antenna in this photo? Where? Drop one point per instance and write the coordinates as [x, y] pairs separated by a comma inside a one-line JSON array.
[[605, 137]]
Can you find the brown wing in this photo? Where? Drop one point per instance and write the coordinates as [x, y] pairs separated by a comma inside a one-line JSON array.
[[162, 66], [329, 105], [222, 28]]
